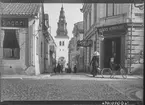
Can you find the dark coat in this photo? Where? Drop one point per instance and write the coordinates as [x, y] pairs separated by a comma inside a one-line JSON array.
[[95, 61], [75, 69]]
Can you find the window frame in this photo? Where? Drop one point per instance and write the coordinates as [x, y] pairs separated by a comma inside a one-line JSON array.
[[12, 50]]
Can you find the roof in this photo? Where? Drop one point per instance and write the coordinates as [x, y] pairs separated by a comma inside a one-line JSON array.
[[78, 27], [20, 8]]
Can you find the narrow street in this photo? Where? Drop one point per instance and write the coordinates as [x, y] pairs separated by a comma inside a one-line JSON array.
[[70, 87]]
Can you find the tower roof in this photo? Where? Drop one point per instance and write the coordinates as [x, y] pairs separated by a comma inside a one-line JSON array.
[[62, 30], [62, 13]]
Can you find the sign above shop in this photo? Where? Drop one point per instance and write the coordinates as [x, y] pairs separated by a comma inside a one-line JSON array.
[[14, 22], [84, 43], [113, 29]]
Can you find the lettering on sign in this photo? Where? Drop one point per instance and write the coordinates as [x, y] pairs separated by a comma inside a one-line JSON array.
[[114, 29], [14, 22], [85, 43]]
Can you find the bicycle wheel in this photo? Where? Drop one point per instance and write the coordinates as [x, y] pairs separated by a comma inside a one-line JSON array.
[[106, 71], [123, 73]]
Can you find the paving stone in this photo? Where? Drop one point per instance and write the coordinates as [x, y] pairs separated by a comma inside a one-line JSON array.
[[66, 89]]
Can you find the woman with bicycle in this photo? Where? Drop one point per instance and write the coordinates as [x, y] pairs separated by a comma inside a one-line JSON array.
[[95, 63]]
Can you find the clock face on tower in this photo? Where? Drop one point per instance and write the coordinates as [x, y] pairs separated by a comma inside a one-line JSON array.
[[61, 19]]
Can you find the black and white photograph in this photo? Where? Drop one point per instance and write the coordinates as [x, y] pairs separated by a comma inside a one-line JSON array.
[[72, 51]]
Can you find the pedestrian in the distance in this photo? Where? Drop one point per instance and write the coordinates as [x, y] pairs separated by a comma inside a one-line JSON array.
[[58, 68], [75, 68]]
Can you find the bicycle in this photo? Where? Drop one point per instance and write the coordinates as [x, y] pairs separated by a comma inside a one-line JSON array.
[[122, 71], [104, 70]]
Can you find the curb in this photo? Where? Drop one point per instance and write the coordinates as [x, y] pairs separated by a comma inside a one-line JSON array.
[[24, 76], [139, 94]]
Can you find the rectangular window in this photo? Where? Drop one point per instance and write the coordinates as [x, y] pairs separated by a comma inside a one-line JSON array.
[[87, 22], [95, 12], [37, 45], [113, 11], [63, 43], [89, 19], [95, 46], [110, 9], [106, 9], [60, 43], [41, 48], [92, 14], [11, 48]]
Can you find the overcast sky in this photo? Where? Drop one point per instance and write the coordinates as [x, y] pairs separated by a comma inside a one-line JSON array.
[[72, 14]]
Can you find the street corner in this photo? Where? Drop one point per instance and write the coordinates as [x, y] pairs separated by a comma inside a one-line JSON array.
[[139, 94]]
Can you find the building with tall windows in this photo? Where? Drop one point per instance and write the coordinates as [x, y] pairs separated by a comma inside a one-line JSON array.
[[24, 37], [117, 31], [78, 54], [62, 39]]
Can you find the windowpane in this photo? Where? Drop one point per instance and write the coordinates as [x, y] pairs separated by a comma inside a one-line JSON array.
[[41, 49], [106, 9], [60, 43], [37, 45], [11, 44], [110, 9], [115, 9], [95, 11], [63, 43]]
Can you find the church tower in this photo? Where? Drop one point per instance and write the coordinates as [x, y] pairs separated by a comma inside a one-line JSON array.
[[62, 39]]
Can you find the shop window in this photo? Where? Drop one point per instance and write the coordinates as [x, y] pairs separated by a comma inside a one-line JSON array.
[[11, 49]]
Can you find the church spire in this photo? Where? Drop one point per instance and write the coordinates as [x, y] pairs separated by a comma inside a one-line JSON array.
[[61, 30]]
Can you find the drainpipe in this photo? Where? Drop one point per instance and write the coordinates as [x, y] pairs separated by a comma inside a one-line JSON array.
[[131, 38]]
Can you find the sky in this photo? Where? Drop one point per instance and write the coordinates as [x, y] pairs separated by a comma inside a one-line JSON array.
[[72, 15]]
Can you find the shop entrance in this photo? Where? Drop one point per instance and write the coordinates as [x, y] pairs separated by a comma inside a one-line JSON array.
[[112, 46]]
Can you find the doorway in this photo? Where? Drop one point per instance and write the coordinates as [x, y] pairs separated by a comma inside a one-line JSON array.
[[112, 46]]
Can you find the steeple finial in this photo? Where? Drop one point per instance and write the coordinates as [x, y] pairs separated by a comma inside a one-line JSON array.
[[62, 4]]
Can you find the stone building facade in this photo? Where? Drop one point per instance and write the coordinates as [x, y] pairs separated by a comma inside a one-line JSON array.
[[78, 50], [23, 34], [116, 29]]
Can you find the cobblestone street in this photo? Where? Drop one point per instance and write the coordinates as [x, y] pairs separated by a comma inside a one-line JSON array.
[[70, 87]]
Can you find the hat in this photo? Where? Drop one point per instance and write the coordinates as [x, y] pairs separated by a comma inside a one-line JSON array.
[[96, 53]]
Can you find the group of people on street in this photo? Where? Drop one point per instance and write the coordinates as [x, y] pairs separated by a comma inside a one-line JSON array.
[[60, 69], [94, 64]]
